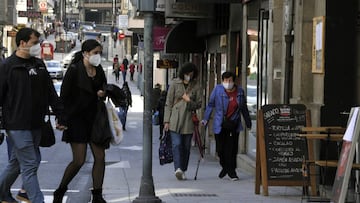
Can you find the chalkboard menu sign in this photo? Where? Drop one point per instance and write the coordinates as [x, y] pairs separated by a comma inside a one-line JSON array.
[[285, 150], [280, 151]]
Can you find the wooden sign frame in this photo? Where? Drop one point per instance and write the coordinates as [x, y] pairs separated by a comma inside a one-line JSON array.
[[261, 176], [346, 158], [318, 45]]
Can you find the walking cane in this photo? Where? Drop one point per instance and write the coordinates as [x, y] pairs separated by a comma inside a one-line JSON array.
[[198, 141], [201, 156]]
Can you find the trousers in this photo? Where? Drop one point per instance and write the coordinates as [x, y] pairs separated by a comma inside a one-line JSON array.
[[25, 157]]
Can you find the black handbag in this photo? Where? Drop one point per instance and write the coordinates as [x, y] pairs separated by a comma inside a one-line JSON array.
[[47, 134], [229, 124], [165, 149], [101, 133]]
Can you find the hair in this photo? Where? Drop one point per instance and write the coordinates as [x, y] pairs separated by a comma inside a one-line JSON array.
[[87, 45], [24, 34], [228, 74], [125, 84], [188, 68]]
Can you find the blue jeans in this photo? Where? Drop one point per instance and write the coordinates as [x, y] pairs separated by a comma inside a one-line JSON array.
[[181, 145], [123, 114], [25, 158], [124, 75]]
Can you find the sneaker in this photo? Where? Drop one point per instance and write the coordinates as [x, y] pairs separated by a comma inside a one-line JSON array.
[[179, 174], [23, 197], [222, 173], [10, 199], [233, 176], [183, 176]]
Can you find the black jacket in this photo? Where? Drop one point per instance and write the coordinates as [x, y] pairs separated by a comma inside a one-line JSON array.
[[26, 91], [77, 92]]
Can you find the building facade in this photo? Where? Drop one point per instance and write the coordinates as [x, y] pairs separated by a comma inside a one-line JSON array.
[[269, 44]]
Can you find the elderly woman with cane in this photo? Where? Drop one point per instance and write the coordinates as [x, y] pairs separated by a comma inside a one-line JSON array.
[[183, 98]]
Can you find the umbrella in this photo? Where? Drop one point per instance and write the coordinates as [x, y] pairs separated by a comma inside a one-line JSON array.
[[198, 140]]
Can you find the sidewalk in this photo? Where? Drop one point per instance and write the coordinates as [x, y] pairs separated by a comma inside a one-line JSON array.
[[123, 177]]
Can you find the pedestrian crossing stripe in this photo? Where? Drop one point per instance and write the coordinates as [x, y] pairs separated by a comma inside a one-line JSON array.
[[49, 199]]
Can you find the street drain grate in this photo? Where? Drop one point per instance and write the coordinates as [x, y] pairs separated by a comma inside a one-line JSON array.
[[193, 195]]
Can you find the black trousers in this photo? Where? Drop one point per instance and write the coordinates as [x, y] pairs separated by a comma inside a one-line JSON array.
[[227, 142]]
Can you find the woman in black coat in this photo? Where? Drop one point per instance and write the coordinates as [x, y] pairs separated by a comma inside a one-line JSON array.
[[82, 87]]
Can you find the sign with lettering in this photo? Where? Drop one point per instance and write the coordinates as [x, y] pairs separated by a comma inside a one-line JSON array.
[[192, 10], [280, 151], [159, 36], [284, 149], [30, 14], [165, 64]]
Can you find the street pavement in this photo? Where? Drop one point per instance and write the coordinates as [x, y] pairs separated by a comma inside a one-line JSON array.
[[124, 169], [123, 177]]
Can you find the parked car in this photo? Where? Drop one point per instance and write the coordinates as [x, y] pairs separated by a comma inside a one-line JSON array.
[[68, 37], [73, 37], [67, 59], [54, 68], [251, 98], [82, 29]]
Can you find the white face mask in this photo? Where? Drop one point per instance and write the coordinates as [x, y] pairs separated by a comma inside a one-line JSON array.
[[35, 50], [95, 60], [228, 86], [187, 78]]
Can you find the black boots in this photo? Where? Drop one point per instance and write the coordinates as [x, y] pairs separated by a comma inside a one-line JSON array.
[[97, 196], [59, 194]]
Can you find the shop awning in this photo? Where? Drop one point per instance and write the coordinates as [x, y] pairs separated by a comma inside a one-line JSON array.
[[182, 39]]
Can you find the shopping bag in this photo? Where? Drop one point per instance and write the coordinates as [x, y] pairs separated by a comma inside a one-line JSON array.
[[165, 149], [115, 124]]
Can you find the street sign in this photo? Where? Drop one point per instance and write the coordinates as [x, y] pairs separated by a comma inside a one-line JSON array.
[[165, 64], [43, 6]]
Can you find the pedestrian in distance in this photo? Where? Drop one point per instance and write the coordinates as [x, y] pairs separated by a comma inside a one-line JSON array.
[[124, 107], [123, 69], [183, 98], [26, 92], [229, 103], [156, 91], [161, 108], [117, 72], [82, 87], [125, 62], [115, 61], [132, 71]]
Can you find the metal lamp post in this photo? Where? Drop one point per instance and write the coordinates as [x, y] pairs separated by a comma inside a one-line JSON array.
[[147, 191]]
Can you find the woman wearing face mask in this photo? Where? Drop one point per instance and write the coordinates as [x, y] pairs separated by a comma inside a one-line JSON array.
[[229, 102], [81, 88], [184, 97]]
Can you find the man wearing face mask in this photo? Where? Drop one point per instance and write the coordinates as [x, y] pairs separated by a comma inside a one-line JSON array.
[[229, 102], [26, 91]]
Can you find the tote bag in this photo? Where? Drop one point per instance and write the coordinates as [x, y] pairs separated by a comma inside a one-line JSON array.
[[165, 149], [115, 124]]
